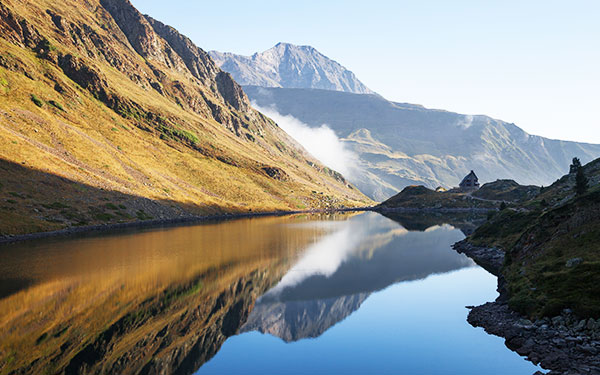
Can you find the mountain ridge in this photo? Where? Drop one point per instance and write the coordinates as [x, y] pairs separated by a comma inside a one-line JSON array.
[[401, 144], [291, 66], [129, 120]]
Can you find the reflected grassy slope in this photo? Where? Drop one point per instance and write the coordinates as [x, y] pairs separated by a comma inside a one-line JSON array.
[[148, 302]]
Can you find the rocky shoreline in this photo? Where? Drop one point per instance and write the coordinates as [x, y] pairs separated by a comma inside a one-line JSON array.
[[432, 209], [563, 344]]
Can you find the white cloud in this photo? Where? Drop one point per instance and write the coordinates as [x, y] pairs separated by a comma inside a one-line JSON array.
[[321, 142]]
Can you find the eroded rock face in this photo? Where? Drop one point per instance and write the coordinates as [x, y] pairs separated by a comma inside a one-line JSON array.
[[141, 35], [17, 29], [231, 92], [86, 76], [275, 173], [162, 47]]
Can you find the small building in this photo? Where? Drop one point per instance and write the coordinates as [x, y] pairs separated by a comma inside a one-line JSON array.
[[470, 182]]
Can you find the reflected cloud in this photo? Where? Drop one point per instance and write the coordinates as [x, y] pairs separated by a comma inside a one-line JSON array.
[[322, 258], [336, 275]]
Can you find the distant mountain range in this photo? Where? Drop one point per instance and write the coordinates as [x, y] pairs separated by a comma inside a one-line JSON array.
[[397, 144], [402, 144], [290, 66]]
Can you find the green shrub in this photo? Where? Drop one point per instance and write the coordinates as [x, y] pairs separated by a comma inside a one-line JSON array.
[[141, 215], [103, 216], [55, 206], [45, 45], [111, 206], [37, 101], [123, 215], [56, 105], [178, 134]]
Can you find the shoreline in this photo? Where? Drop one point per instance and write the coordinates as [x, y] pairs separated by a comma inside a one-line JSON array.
[[158, 223], [563, 344], [432, 209]]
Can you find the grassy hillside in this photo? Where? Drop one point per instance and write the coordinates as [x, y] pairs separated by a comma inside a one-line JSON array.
[[420, 197], [490, 196], [552, 245], [506, 190], [101, 107]]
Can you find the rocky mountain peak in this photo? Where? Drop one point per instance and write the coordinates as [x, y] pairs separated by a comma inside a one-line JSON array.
[[290, 66]]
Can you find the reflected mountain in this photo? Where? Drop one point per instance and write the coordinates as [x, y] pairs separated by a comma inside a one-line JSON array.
[[466, 221], [334, 276], [295, 320], [159, 301]]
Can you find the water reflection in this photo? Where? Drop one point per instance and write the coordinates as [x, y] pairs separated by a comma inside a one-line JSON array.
[[334, 276], [158, 301], [390, 300], [166, 301]]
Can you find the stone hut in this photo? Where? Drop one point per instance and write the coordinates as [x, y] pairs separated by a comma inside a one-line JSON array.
[[470, 182]]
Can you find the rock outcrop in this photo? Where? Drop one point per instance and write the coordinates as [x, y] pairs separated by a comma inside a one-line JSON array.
[[564, 344]]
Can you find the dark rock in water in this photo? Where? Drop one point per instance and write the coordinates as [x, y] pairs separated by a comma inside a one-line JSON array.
[[491, 259]]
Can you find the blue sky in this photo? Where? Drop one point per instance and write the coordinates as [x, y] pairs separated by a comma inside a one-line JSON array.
[[534, 63]]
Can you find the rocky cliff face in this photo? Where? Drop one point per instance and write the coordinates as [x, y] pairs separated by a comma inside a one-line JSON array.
[[98, 94], [290, 66]]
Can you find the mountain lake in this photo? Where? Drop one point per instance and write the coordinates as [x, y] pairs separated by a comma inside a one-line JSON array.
[[351, 293]]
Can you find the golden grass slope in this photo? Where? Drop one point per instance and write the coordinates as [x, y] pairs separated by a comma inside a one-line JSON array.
[[96, 130]]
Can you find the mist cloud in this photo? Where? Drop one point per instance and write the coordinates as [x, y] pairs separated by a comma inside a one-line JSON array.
[[321, 142], [465, 122]]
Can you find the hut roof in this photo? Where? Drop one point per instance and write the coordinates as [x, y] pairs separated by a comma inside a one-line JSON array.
[[471, 177]]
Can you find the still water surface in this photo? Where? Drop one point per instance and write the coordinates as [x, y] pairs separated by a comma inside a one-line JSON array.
[[339, 293]]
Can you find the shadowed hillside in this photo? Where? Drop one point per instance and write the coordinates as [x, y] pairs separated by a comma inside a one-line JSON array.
[[551, 247]]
